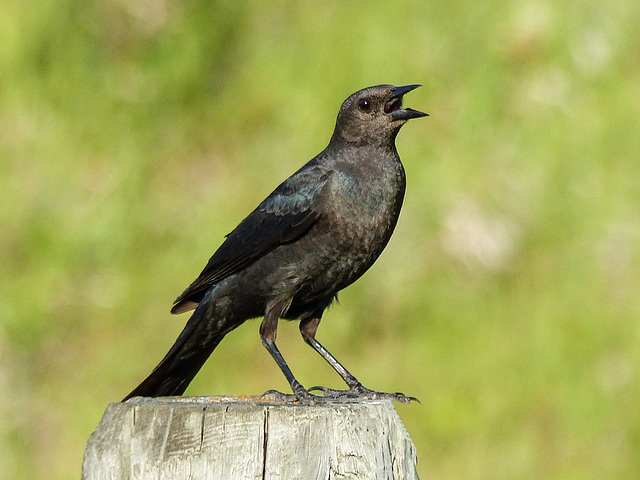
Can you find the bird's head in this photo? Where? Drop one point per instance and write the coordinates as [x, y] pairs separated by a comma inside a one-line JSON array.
[[374, 115]]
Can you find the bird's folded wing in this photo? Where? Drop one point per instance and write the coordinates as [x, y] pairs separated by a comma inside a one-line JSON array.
[[283, 217]]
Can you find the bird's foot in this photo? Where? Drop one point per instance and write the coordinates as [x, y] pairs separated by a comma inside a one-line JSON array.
[[359, 391], [300, 394], [330, 395], [278, 396]]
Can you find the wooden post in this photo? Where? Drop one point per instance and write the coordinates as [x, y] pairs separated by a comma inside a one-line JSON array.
[[236, 438]]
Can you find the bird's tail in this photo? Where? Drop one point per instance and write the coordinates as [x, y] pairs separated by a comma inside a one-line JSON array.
[[175, 371]]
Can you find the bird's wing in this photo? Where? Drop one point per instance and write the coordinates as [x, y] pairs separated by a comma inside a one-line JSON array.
[[283, 217]]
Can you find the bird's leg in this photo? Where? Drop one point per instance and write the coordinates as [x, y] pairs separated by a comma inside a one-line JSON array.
[[268, 331], [308, 329]]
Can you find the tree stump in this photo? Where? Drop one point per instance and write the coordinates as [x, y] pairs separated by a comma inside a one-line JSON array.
[[249, 438]]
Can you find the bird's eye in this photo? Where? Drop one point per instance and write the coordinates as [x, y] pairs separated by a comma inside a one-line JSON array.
[[364, 105]]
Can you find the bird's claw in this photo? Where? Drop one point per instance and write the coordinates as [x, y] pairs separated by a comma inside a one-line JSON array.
[[300, 395], [330, 395], [365, 392], [360, 391], [279, 396]]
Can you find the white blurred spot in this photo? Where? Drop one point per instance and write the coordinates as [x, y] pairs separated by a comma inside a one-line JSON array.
[[150, 14], [593, 53], [550, 87], [477, 238], [613, 372]]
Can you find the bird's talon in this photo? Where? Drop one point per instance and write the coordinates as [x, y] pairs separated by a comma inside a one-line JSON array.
[[279, 396], [365, 392], [317, 388]]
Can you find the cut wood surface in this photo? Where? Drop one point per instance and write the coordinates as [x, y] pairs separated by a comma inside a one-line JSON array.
[[249, 438]]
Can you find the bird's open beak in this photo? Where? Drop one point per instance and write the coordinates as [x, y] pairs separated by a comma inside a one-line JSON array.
[[393, 107]]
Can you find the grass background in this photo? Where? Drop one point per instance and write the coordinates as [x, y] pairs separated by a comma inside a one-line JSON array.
[[135, 134]]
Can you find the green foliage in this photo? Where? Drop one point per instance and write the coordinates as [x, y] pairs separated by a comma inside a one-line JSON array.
[[134, 135]]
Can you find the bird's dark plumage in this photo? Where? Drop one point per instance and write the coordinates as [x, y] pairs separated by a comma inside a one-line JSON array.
[[315, 234]]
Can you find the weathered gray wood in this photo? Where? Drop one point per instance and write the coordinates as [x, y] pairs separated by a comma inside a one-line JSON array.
[[233, 438]]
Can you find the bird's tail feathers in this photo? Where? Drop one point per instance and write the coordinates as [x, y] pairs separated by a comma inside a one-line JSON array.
[[186, 357]]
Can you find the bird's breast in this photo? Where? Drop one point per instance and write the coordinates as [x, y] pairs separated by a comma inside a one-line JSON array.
[[362, 214], [359, 210]]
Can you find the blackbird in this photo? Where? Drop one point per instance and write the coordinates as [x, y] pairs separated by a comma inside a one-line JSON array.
[[314, 235]]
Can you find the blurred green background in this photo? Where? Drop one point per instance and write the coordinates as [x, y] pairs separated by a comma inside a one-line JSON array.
[[134, 134]]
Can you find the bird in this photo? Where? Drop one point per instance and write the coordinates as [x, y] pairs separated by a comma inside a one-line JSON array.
[[314, 235]]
